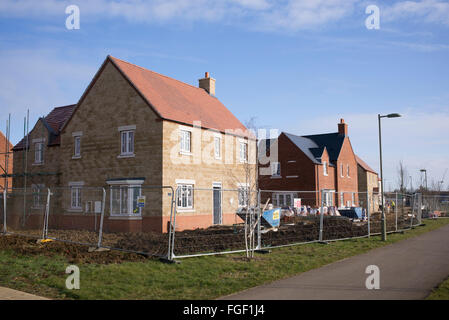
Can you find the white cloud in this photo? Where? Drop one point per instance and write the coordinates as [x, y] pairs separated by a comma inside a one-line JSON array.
[[431, 11], [266, 14], [38, 80]]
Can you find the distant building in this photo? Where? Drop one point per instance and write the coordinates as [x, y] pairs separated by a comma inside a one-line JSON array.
[[368, 181], [312, 163]]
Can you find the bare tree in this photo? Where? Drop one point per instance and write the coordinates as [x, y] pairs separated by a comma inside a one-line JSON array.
[[403, 177]]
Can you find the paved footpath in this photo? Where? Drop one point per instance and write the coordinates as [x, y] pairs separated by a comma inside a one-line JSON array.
[[10, 294], [409, 269]]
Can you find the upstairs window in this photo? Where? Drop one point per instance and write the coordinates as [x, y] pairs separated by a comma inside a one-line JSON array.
[[276, 169], [127, 142], [217, 141], [243, 151], [347, 170], [77, 146], [39, 152], [325, 171], [185, 141], [341, 170]]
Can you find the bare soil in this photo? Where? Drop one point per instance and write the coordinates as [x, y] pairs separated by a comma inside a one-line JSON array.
[[213, 239]]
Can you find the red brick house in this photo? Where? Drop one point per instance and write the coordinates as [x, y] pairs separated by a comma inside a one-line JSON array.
[[6, 162], [311, 163]]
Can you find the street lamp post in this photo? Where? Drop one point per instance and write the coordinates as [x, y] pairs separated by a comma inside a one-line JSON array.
[[383, 220]]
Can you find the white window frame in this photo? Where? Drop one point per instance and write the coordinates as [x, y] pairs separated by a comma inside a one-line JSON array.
[[342, 199], [217, 147], [283, 195], [325, 168], [127, 146], [276, 169], [130, 186], [242, 197], [185, 141], [184, 191], [341, 170], [39, 152], [75, 191], [243, 150], [77, 147]]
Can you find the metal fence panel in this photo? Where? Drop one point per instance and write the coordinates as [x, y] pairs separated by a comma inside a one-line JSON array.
[[296, 226], [25, 211], [212, 221], [138, 219], [75, 214]]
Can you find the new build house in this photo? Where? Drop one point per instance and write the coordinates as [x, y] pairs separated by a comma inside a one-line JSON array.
[[310, 163], [133, 127], [368, 181], [6, 162]]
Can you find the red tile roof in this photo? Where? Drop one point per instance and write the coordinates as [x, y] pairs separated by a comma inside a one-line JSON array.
[[364, 165], [178, 101], [54, 122]]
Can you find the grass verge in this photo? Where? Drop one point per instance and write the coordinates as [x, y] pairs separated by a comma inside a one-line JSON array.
[[195, 278], [440, 293]]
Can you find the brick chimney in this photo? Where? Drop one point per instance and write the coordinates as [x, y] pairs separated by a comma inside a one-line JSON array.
[[208, 84], [343, 128]]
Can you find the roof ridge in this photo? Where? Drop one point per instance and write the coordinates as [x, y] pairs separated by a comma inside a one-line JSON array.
[[160, 74]]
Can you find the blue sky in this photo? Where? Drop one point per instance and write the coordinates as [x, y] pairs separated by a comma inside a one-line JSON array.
[[295, 65]]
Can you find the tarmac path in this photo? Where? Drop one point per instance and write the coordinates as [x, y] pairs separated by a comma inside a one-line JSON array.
[[408, 269]]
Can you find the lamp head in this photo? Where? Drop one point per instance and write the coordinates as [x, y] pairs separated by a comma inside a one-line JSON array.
[[393, 115]]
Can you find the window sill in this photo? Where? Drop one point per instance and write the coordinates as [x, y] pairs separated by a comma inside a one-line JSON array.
[[276, 177], [185, 210], [76, 157], [125, 217], [121, 156], [37, 164], [185, 153], [74, 210], [292, 177]]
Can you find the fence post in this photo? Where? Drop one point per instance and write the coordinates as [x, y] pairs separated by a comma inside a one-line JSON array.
[[420, 208], [4, 211], [321, 217], [171, 253], [413, 209], [368, 213], [47, 212], [396, 212], [100, 232], [259, 239]]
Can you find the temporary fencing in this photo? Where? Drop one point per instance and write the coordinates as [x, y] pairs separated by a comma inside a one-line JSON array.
[[211, 221], [163, 222], [25, 211], [75, 214], [139, 219]]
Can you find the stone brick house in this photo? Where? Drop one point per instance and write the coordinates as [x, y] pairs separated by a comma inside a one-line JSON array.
[[6, 162], [311, 163], [368, 181], [132, 128], [40, 161]]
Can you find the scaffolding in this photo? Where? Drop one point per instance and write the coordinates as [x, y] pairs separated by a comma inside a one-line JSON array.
[[6, 171]]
